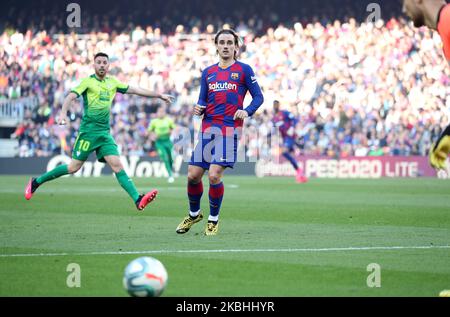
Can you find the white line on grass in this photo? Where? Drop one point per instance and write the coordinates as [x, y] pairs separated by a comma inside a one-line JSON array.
[[230, 251]]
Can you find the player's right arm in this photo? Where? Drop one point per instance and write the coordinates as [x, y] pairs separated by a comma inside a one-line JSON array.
[[200, 107], [67, 102], [74, 94], [151, 130]]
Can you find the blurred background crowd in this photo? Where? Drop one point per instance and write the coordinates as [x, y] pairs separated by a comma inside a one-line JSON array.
[[357, 88]]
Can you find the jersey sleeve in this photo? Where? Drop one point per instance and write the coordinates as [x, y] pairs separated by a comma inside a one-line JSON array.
[[121, 87], [255, 91], [81, 88], [203, 96], [152, 126], [171, 124], [293, 119]]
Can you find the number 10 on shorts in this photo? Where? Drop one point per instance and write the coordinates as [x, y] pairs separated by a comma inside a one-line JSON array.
[[84, 145]]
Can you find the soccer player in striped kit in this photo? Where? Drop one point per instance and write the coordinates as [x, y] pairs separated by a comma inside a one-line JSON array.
[[222, 92], [285, 122], [434, 14]]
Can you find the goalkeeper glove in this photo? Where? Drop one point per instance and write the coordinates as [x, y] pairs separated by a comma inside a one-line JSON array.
[[439, 151]]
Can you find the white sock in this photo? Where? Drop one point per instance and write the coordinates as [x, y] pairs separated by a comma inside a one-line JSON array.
[[213, 218], [194, 214]]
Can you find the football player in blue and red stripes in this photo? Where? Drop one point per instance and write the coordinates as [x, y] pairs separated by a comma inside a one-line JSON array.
[[222, 92], [285, 122]]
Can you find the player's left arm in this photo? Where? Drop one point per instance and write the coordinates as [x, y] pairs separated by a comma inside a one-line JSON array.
[[150, 94], [151, 130], [128, 89], [256, 93], [292, 124], [171, 125]]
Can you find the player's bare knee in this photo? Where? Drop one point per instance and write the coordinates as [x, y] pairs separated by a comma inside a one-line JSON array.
[[74, 167], [116, 167], [115, 163], [214, 178], [194, 178]]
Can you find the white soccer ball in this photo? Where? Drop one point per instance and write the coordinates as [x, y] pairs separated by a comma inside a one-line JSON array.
[[145, 277]]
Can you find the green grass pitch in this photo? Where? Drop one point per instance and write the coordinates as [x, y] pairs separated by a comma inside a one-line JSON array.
[[276, 237]]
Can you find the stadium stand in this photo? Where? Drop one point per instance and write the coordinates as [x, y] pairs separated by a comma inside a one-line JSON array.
[[358, 88]]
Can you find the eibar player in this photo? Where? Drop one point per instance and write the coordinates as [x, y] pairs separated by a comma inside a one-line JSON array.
[[285, 122], [222, 91], [434, 14], [162, 127], [98, 91]]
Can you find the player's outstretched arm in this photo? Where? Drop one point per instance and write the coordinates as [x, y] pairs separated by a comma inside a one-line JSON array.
[[66, 104], [147, 93]]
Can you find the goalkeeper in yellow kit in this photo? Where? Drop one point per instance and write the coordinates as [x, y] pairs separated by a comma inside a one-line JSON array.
[[98, 91], [162, 127]]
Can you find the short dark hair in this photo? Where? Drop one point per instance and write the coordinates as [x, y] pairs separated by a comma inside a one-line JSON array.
[[101, 55]]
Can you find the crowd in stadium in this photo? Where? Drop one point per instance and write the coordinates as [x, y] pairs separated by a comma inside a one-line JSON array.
[[357, 89]]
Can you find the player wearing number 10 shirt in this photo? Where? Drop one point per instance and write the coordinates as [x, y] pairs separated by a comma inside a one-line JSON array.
[[98, 91]]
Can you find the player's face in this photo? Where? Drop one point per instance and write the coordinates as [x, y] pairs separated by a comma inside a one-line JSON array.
[[101, 65], [412, 9], [161, 113], [276, 107], [226, 46]]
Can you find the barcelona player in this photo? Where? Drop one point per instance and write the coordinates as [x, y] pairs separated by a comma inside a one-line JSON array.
[[98, 91], [434, 14], [223, 88], [285, 122]]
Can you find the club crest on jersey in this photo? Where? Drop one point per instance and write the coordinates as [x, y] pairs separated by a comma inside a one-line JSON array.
[[235, 76], [104, 95]]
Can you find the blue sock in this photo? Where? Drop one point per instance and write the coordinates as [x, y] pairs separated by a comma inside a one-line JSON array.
[[291, 159]]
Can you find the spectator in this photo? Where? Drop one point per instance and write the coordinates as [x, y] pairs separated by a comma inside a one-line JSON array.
[[358, 88]]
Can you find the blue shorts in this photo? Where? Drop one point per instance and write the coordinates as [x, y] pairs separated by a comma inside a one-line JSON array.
[[215, 149]]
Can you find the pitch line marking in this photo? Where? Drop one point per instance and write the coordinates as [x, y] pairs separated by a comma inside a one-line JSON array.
[[381, 248]]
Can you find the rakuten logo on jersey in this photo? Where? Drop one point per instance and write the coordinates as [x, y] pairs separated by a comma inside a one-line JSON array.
[[222, 86]]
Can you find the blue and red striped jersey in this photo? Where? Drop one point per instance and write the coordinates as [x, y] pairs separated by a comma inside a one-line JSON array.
[[222, 92], [285, 122]]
